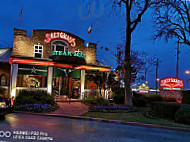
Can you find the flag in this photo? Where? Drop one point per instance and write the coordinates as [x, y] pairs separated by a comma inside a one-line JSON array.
[[89, 29], [20, 15]]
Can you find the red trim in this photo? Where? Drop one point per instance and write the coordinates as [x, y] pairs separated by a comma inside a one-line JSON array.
[[38, 62], [51, 63], [93, 68]]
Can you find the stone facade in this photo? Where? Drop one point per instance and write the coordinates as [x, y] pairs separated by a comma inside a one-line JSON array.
[[23, 45]]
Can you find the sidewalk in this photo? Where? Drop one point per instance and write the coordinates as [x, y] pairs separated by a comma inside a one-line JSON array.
[[71, 108]]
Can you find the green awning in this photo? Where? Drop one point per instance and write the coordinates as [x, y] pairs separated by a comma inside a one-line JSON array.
[[32, 69], [58, 72], [75, 74]]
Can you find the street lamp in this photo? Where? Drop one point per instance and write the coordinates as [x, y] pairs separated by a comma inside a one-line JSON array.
[[187, 72]]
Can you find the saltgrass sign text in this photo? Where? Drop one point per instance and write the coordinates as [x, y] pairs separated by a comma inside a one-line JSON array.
[[60, 35]]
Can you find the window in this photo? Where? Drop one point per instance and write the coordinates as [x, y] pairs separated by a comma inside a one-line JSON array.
[[3, 80], [78, 52], [59, 45], [38, 51]]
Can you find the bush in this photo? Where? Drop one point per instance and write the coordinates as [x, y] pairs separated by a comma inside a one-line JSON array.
[[91, 101], [118, 98], [183, 115], [34, 97], [139, 100], [165, 109], [154, 98], [118, 95], [186, 97], [170, 100], [34, 101]]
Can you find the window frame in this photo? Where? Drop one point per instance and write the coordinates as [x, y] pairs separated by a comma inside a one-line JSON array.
[[54, 46], [38, 45]]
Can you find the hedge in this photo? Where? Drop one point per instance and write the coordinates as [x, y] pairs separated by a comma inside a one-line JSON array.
[[165, 109], [186, 97], [183, 115]]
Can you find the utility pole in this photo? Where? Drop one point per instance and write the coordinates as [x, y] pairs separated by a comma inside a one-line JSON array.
[[156, 76], [177, 66], [145, 74]]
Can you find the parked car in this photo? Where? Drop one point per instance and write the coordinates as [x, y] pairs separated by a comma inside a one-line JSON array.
[[6, 105]]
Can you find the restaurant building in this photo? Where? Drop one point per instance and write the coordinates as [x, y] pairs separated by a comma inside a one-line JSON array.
[[51, 60]]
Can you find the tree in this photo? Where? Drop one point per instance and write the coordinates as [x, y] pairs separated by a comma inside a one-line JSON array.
[[134, 10], [172, 20], [137, 62]]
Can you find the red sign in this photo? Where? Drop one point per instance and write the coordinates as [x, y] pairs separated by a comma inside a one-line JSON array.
[[60, 35], [171, 83]]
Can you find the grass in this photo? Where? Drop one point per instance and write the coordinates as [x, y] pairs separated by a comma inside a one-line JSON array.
[[134, 117]]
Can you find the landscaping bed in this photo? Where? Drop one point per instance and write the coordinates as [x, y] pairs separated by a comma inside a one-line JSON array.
[[35, 101], [111, 109]]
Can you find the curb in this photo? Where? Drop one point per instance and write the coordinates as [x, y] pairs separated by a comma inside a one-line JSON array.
[[108, 121]]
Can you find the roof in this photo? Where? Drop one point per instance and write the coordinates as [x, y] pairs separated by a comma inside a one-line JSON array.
[[4, 54]]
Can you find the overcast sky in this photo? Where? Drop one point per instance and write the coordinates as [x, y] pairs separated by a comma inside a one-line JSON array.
[[107, 31]]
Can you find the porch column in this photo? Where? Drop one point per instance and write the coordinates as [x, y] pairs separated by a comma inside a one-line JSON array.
[[49, 80], [106, 86], [13, 80], [82, 83]]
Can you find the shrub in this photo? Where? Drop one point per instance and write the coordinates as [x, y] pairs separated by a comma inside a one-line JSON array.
[[165, 109], [186, 97], [118, 95], [170, 100], [34, 97], [118, 98], [34, 101], [154, 98], [91, 101], [139, 100], [183, 115]]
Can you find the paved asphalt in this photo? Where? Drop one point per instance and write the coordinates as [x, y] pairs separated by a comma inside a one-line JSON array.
[[25, 128]]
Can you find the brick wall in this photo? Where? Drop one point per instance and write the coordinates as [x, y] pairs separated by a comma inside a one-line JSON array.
[[24, 45]]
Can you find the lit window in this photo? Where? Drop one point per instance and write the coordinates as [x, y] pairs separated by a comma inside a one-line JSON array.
[[59, 45], [38, 51], [3, 80], [78, 52]]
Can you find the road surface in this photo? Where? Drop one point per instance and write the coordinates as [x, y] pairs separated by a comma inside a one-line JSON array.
[[25, 128]]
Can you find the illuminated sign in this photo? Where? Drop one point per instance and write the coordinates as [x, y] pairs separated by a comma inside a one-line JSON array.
[[60, 35], [143, 89], [171, 83], [63, 53]]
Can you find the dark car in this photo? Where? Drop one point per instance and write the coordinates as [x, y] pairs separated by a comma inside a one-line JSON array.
[[6, 105]]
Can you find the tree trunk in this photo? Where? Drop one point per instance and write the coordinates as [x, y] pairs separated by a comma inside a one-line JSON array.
[[127, 75], [128, 93]]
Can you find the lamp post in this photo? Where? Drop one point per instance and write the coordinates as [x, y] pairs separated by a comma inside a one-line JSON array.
[[157, 80], [187, 72]]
